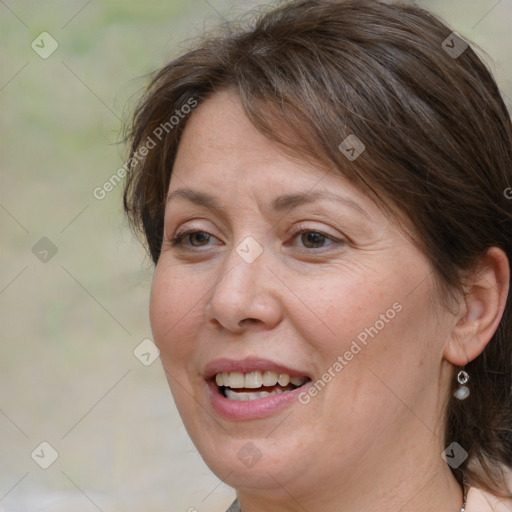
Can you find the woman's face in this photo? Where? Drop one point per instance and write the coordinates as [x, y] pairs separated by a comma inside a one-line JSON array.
[[344, 310]]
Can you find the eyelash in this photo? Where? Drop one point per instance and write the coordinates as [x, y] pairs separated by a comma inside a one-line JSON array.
[[178, 239]]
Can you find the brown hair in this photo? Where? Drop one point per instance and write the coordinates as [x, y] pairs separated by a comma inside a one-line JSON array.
[[438, 143]]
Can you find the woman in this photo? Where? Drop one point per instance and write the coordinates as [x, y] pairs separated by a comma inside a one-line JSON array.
[[323, 193]]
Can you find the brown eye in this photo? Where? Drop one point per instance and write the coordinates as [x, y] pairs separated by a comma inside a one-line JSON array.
[[312, 239], [200, 236]]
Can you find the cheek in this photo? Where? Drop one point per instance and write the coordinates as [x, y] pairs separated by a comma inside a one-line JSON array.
[[174, 312], [372, 321], [336, 311]]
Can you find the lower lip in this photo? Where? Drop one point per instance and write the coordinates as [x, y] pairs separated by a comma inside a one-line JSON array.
[[251, 409]]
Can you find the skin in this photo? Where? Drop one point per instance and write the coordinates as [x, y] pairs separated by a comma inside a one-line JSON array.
[[373, 435]]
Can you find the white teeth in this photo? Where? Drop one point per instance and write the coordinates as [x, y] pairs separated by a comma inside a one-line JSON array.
[[284, 379], [253, 380], [244, 397], [222, 379], [236, 380], [256, 379], [270, 378]]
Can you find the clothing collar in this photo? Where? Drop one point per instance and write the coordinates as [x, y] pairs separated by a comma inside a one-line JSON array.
[[235, 507]]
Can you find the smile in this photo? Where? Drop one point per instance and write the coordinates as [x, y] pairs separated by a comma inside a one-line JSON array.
[[240, 386], [252, 388]]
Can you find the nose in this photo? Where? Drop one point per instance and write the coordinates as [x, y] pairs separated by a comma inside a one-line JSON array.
[[244, 296]]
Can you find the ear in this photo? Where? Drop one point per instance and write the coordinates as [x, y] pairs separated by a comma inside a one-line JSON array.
[[482, 309]]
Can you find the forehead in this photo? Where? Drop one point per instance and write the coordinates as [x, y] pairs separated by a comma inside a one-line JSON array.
[[219, 129], [220, 143], [222, 152], [224, 163]]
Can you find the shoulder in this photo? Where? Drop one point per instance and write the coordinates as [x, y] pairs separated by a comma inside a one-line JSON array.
[[482, 501]]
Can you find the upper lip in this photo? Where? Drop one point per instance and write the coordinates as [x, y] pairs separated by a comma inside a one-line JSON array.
[[249, 364]]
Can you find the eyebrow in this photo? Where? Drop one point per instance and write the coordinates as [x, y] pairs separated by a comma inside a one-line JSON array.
[[284, 202]]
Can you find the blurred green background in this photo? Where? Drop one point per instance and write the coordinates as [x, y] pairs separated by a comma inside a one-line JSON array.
[[70, 321]]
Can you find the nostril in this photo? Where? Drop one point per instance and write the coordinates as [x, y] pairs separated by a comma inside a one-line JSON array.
[[249, 320]]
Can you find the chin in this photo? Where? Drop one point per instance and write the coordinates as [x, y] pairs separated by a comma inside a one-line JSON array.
[[251, 461]]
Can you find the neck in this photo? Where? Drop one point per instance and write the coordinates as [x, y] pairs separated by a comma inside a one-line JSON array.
[[416, 484]]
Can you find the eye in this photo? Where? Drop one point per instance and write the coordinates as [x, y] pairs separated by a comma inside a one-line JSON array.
[[190, 235], [313, 239]]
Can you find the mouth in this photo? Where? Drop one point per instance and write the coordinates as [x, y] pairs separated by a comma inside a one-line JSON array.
[[242, 387], [252, 388]]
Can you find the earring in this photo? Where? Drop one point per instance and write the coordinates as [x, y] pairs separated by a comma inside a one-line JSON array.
[[463, 391]]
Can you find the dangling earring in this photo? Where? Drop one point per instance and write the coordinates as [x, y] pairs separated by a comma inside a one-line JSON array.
[[463, 391]]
